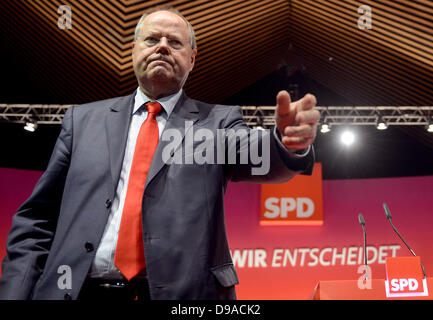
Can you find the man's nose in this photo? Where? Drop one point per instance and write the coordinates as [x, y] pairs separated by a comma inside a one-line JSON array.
[[163, 46]]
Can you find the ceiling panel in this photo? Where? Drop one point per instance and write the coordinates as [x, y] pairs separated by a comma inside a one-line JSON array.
[[389, 64], [239, 42], [93, 59]]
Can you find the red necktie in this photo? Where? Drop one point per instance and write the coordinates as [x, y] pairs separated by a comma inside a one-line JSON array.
[[129, 255]]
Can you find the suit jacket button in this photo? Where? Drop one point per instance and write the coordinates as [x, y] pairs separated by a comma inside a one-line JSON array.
[[88, 246], [67, 296], [108, 203]]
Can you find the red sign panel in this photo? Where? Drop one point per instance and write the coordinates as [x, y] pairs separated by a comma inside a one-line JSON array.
[[297, 202], [405, 277]]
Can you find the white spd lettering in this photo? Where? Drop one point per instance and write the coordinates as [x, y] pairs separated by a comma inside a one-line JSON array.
[[404, 284], [280, 207]]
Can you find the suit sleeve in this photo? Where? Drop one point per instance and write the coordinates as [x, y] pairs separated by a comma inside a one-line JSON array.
[[268, 160], [34, 224]]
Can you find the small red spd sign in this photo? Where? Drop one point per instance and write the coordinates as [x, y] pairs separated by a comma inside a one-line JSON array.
[[297, 202], [405, 277]]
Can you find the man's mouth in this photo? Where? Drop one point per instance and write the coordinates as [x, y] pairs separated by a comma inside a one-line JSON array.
[[158, 62], [157, 58]]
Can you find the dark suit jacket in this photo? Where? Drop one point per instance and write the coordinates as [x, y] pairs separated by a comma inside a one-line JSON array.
[[186, 249]]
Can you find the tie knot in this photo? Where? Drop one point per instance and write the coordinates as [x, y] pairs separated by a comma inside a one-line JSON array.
[[154, 107]]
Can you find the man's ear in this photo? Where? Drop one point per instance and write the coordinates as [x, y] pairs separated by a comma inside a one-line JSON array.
[[194, 53]]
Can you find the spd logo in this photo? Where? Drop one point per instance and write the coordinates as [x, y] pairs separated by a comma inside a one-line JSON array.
[[296, 202], [405, 277]]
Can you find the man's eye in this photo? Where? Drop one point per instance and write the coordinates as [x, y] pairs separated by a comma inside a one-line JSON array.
[[175, 43], [150, 40]]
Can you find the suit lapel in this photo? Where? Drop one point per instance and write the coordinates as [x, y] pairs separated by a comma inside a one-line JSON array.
[[184, 115], [117, 126]]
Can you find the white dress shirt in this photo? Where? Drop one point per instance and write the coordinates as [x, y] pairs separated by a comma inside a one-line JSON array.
[[103, 263]]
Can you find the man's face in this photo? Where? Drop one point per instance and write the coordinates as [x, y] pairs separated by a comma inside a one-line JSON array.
[[162, 55]]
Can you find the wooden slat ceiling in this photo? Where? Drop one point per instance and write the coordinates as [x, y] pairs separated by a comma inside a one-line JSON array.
[[389, 64], [239, 42]]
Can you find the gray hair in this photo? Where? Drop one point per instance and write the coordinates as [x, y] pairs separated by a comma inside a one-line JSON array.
[[172, 10]]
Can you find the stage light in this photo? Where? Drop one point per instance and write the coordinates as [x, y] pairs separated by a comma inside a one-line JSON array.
[[430, 127], [347, 138], [31, 125], [381, 124], [324, 128]]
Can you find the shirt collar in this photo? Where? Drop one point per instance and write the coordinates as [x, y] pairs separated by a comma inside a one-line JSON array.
[[168, 103]]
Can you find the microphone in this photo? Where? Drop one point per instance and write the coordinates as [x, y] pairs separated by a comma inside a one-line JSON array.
[[362, 223], [389, 218]]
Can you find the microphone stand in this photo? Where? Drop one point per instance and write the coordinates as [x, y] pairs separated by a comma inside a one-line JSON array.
[[362, 223], [389, 218]]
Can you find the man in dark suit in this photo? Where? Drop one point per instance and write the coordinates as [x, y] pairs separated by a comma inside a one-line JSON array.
[[74, 236]]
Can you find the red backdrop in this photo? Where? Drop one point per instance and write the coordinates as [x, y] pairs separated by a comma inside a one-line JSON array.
[[285, 262]]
